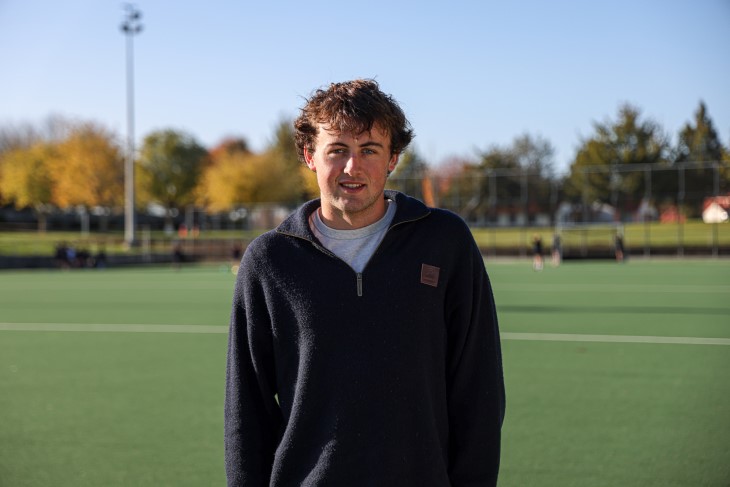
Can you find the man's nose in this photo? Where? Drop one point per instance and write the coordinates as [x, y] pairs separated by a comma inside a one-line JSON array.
[[353, 163]]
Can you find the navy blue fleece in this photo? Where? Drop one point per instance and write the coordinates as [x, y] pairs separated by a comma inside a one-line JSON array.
[[396, 381]]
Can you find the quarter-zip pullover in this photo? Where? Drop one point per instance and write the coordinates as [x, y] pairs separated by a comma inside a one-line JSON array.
[[354, 246], [388, 377]]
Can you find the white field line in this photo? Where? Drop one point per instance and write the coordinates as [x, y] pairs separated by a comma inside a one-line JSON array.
[[551, 337], [618, 288], [566, 337], [113, 328]]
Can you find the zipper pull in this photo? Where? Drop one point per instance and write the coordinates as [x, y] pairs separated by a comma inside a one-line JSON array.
[[359, 284]]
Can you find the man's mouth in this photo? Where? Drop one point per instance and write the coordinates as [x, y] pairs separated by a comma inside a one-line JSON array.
[[352, 185]]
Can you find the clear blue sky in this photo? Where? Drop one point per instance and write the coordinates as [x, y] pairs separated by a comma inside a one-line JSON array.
[[469, 74]]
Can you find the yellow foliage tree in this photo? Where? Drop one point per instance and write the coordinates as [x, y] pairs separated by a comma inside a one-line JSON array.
[[27, 179], [224, 182], [88, 169], [211, 191], [244, 179], [309, 182], [273, 179], [237, 177]]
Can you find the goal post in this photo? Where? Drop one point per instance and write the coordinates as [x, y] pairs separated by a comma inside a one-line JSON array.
[[588, 240]]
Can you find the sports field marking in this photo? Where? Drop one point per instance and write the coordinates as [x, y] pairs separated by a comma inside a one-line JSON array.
[[112, 328], [566, 337], [545, 337], [617, 288]]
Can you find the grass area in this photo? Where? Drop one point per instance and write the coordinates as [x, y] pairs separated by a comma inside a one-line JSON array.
[[637, 235], [37, 243], [693, 233], [607, 414], [145, 409]]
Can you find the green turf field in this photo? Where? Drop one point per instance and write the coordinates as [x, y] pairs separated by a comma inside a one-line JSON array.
[[90, 397]]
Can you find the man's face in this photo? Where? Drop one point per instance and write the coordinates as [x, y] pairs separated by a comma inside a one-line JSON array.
[[351, 173]]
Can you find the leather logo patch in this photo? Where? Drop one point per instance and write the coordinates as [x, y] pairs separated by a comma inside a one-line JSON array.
[[430, 275]]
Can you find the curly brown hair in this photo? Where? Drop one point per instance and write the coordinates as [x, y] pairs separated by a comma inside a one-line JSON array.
[[352, 107]]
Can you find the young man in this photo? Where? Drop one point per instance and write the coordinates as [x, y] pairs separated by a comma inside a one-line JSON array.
[[364, 348], [537, 252]]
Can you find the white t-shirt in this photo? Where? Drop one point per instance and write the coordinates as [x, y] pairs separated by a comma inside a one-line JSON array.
[[353, 246]]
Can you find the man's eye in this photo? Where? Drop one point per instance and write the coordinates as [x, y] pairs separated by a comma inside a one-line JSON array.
[[368, 151]]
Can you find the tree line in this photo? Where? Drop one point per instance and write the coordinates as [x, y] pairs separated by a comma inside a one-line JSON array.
[[610, 167], [65, 163]]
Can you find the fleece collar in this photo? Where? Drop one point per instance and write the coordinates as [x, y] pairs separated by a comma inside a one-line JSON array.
[[407, 209]]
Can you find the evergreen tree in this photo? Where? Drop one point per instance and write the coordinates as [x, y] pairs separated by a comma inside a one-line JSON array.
[[599, 165]]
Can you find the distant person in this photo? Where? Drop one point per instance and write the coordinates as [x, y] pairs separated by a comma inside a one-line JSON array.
[[100, 258], [177, 255], [71, 256], [236, 253], [61, 256], [619, 247], [557, 253], [537, 263], [364, 348], [83, 258]]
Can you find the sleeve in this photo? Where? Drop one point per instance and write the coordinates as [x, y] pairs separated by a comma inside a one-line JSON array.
[[475, 380], [252, 418]]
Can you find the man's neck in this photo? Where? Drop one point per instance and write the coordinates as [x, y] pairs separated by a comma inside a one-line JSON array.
[[340, 220]]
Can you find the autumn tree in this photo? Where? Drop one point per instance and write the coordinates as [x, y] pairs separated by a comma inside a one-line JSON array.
[[24, 135], [88, 168], [13, 138], [52, 129], [170, 164], [238, 177], [229, 146], [26, 179], [310, 186], [272, 180], [598, 172], [296, 177], [218, 177], [225, 181], [17, 137]]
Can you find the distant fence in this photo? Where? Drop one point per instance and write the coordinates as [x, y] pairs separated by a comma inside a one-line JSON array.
[[626, 193], [664, 199]]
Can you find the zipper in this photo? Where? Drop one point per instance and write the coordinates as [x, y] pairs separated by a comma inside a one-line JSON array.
[[358, 275]]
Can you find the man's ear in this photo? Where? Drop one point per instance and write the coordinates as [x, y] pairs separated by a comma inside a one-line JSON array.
[[309, 159], [393, 162]]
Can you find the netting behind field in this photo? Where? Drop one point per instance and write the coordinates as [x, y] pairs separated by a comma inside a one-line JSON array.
[[582, 239]]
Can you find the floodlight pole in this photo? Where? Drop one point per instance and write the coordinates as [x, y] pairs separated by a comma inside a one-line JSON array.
[[130, 26]]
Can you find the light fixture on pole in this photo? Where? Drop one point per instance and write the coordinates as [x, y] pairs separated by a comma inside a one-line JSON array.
[[130, 26]]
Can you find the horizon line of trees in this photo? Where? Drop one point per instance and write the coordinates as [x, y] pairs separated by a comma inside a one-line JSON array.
[[66, 164]]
